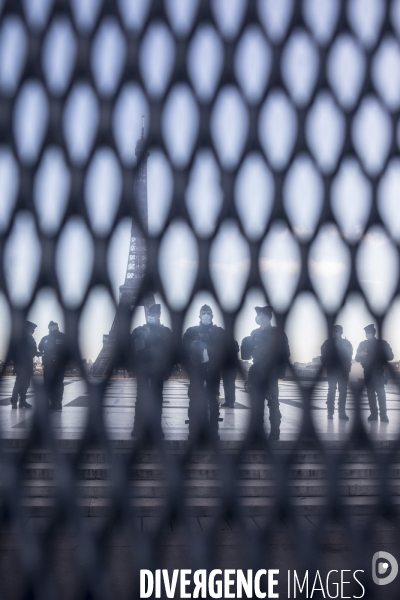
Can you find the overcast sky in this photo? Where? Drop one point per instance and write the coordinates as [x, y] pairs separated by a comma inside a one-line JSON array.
[[329, 261]]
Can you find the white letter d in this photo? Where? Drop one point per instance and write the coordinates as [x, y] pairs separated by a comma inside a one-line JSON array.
[[145, 573]]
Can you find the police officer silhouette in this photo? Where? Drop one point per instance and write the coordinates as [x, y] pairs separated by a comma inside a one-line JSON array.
[[53, 348], [22, 355], [336, 355], [204, 347], [152, 346], [269, 348], [374, 354]]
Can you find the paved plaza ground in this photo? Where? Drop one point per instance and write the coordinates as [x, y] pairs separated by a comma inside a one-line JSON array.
[[119, 405], [229, 547]]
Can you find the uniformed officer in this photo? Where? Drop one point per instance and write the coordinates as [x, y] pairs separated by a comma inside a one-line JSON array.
[[22, 356], [336, 355], [152, 346], [53, 348], [229, 372], [204, 347], [373, 354], [269, 348]]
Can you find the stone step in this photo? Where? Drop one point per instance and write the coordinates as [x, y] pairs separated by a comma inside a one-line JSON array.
[[99, 456], [146, 507], [210, 489], [102, 471], [180, 446]]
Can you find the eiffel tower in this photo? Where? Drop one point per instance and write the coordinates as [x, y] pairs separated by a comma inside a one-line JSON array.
[[137, 260]]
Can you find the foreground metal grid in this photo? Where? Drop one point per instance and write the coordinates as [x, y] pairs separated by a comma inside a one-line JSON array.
[[35, 556]]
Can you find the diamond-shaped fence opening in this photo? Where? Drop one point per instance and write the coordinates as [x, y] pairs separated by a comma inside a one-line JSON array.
[[215, 155]]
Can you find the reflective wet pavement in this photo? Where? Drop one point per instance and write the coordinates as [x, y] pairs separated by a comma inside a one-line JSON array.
[[119, 405]]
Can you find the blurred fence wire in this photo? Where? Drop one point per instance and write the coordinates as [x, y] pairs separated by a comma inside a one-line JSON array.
[[256, 81]]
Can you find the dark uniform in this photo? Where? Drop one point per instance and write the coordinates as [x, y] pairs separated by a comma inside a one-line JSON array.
[[22, 356], [152, 346], [204, 347], [229, 376], [378, 353], [269, 349], [53, 348], [336, 355]]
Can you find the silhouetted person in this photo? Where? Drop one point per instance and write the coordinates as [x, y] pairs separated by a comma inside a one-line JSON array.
[[229, 376], [53, 348], [373, 354], [269, 348], [152, 346], [22, 356], [336, 355], [204, 347]]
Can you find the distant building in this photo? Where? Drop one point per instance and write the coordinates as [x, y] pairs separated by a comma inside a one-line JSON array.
[[73, 369], [245, 364], [308, 370], [37, 366], [6, 369]]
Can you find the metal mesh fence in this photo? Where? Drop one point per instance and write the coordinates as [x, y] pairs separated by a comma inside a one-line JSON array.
[[278, 27]]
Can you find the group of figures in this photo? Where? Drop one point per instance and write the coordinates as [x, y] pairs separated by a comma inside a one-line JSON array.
[[207, 356], [373, 354], [52, 350]]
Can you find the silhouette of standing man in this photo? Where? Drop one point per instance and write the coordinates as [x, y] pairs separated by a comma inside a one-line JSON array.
[[269, 348], [204, 346], [373, 354], [22, 357], [336, 355], [152, 345], [53, 348]]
